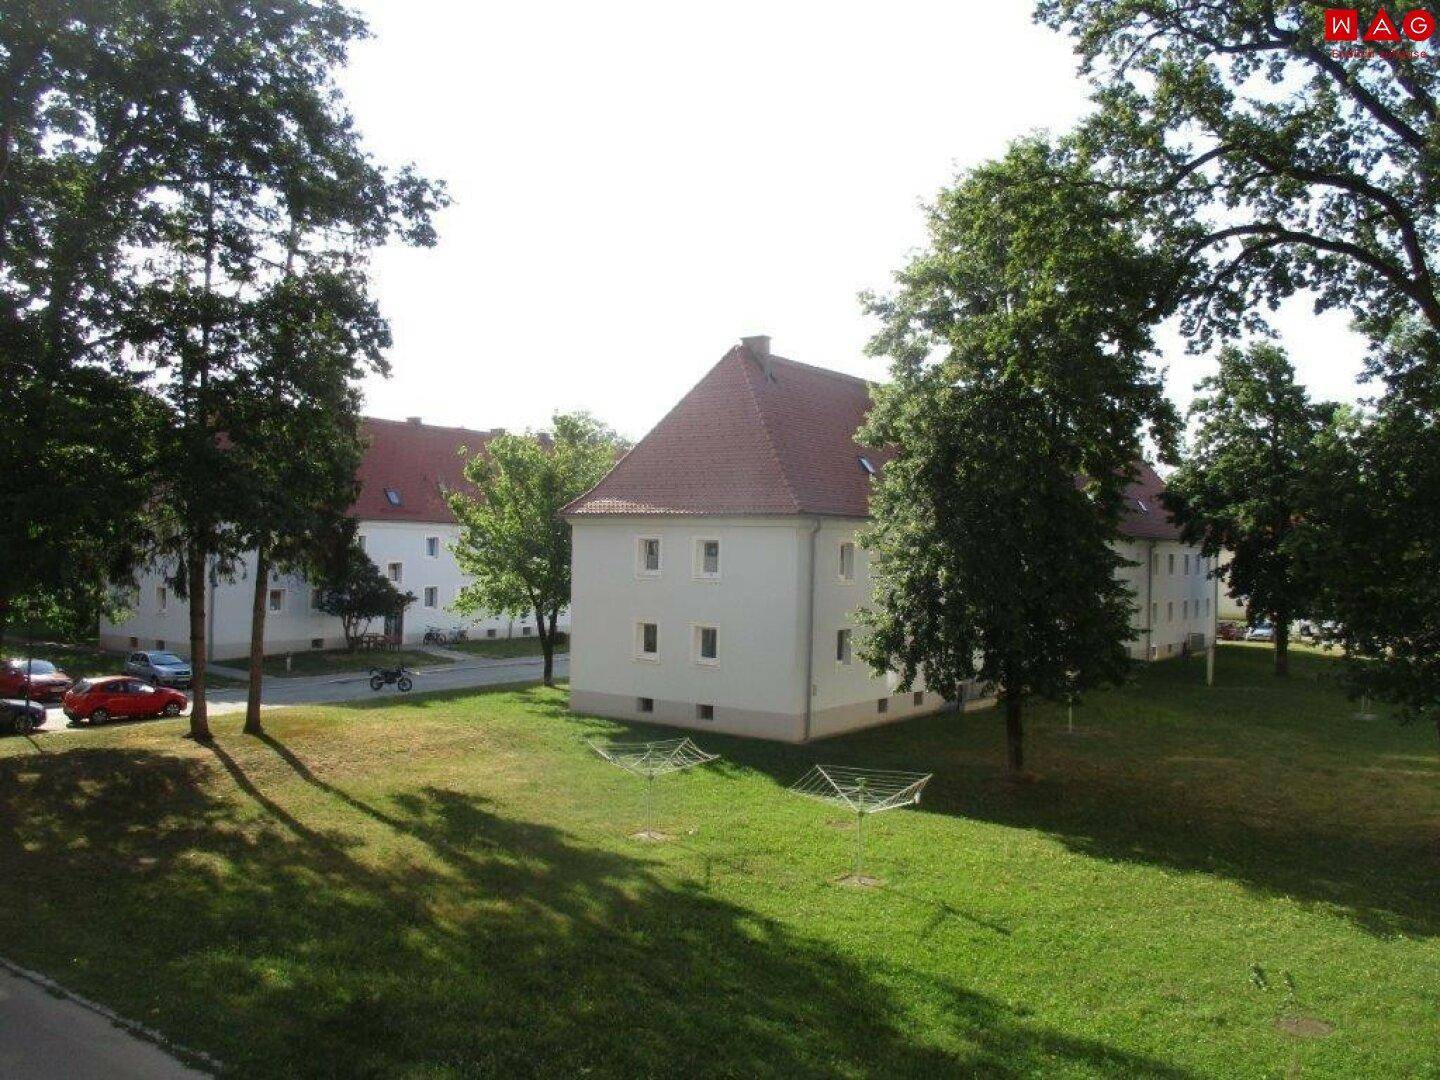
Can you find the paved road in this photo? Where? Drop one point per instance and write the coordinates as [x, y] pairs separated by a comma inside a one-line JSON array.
[[45, 1037], [281, 693]]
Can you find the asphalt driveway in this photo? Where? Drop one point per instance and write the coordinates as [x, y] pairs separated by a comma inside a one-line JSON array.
[[283, 693]]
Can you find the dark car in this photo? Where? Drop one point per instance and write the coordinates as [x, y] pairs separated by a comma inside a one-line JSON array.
[[120, 697], [37, 680], [19, 716], [159, 667]]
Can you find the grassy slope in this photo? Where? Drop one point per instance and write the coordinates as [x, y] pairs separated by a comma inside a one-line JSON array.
[[504, 648], [444, 888], [337, 661]]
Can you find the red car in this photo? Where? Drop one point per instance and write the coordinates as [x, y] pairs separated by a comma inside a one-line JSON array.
[[45, 681], [119, 697]]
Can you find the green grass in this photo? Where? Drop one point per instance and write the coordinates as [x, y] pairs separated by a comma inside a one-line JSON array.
[[338, 661], [505, 648], [444, 887]]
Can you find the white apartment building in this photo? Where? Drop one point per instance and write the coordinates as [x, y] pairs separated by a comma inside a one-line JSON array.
[[717, 572], [406, 528]]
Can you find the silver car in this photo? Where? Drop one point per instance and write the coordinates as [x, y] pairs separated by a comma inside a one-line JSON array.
[[159, 668]]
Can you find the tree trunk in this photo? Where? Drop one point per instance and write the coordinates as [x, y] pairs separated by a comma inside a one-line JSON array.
[[196, 569], [1282, 647], [257, 642], [547, 646], [1014, 736]]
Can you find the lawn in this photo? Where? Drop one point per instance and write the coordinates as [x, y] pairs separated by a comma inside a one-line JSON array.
[[445, 887], [339, 661], [505, 648]]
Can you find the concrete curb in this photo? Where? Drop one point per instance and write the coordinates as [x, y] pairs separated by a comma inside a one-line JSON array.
[[183, 1053]]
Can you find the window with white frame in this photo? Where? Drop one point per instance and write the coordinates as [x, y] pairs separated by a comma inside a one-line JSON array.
[[432, 546], [1154, 612], [647, 556], [647, 641], [1170, 611], [1172, 564], [277, 599], [847, 561], [1187, 565], [842, 646], [707, 558], [162, 598], [707, 645], [395, 572], [1184, 609], [432, 596]]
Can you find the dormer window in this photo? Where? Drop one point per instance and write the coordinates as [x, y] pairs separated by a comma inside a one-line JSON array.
[[392, 496], [866, 464]]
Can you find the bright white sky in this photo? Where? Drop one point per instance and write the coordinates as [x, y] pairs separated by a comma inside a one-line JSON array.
[[638, 184]]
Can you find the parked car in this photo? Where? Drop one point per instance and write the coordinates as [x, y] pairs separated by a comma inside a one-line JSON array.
[[19, 716], [37, 680], [1229, 631], [121, 697], [159, 667], [1260, 632]]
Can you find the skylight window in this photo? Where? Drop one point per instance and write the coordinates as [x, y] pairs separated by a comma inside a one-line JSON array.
[[867, 466], [1141, 504], [392, 496]]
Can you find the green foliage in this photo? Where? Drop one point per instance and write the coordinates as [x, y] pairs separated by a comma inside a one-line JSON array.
[[1267, 163], [514, 545], [356, 592], [1252, 481], [1019, 342]]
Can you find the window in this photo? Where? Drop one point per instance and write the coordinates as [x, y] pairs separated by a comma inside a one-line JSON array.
[[395, 572], [317, 642], [883, 705], [1187, 565], [1154, 613], [1185, 609], [432, 546], [490, 632], [847, 561], [704, 712], [842, 647], [647, 641], [647, 556], [160, 643], [314, 599], [525, 631], [162, 598], [1155, 562], [1170, 611], [432, 596], [707, 558], [919, 698], [134, 642], [645, 704], [707, 645], [392, 496], [1172, 563], [868, 466], [361, 541], [277, 599]]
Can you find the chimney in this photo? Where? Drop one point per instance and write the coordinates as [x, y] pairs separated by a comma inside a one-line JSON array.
[[413, 420], [759, 345]]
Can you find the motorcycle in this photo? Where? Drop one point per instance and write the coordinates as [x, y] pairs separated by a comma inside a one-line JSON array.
[[398, 677]]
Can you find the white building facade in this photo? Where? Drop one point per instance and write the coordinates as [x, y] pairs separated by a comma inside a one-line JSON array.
[[405, 527], [717, 572]]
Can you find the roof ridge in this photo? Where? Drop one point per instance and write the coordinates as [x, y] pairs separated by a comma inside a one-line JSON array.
[[765, 425], [427, 427], [845, 376]]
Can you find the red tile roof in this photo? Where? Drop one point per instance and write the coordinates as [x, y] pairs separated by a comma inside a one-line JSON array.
[[417, 462], [767, 435]]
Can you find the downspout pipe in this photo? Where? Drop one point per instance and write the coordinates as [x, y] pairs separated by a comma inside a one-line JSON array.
[[809, 687]]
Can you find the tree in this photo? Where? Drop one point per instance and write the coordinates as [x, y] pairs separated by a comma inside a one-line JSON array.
[[1375, 541], [1247, 485], [1018, 342], [1271, 161], [513, 543], [356, 592]]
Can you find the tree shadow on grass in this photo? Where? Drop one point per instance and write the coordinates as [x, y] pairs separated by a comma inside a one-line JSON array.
[[292, 940]]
